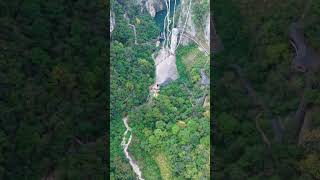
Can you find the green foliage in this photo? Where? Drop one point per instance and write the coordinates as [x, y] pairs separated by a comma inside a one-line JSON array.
[[53, 89], [175, 129], [255, 36], [146, 23], [200, 11], [311, 165], [177, 132], [230, 125], [169, 128], [132, 72]]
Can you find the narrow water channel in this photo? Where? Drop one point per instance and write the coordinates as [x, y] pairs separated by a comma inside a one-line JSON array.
[[159, 18], [125, 144]]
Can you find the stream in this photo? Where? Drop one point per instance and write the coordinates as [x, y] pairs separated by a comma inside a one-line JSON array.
[[159, 18], [125, 146], [125, 143]]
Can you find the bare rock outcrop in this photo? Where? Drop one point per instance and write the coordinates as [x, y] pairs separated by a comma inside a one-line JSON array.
[[204, 78], [207, 30], [306, 58], [166, 69], [154, 6], [206, 102], [112, 22], [200, 32]]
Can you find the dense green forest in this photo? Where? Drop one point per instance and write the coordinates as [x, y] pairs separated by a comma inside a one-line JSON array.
[[131, 74], [53, 89], [170, 132], [174, 129], [255, 39]]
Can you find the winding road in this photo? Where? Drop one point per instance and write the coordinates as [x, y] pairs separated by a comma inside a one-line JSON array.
[[189, 36]]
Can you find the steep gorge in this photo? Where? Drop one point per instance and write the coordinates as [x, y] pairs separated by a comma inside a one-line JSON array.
[[133, 141]]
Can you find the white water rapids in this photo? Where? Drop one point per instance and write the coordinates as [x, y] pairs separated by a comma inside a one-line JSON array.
[[125, 146]]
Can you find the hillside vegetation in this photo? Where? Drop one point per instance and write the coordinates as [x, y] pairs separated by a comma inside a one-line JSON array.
[[255, 37], [52, 89], [131, 74], [176, 125], [171, 132]]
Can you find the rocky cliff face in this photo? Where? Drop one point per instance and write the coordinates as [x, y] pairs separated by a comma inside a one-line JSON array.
[[112, 22], [202, 32], [154, 6], [207, 30]]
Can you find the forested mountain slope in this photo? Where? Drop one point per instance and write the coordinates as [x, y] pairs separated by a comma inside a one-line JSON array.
[[170, 132], [266, 111], [132, 73], [53, 92]]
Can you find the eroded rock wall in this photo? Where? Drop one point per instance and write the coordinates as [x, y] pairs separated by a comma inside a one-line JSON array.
[[154, 6], [112, 21], [201, 32]]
